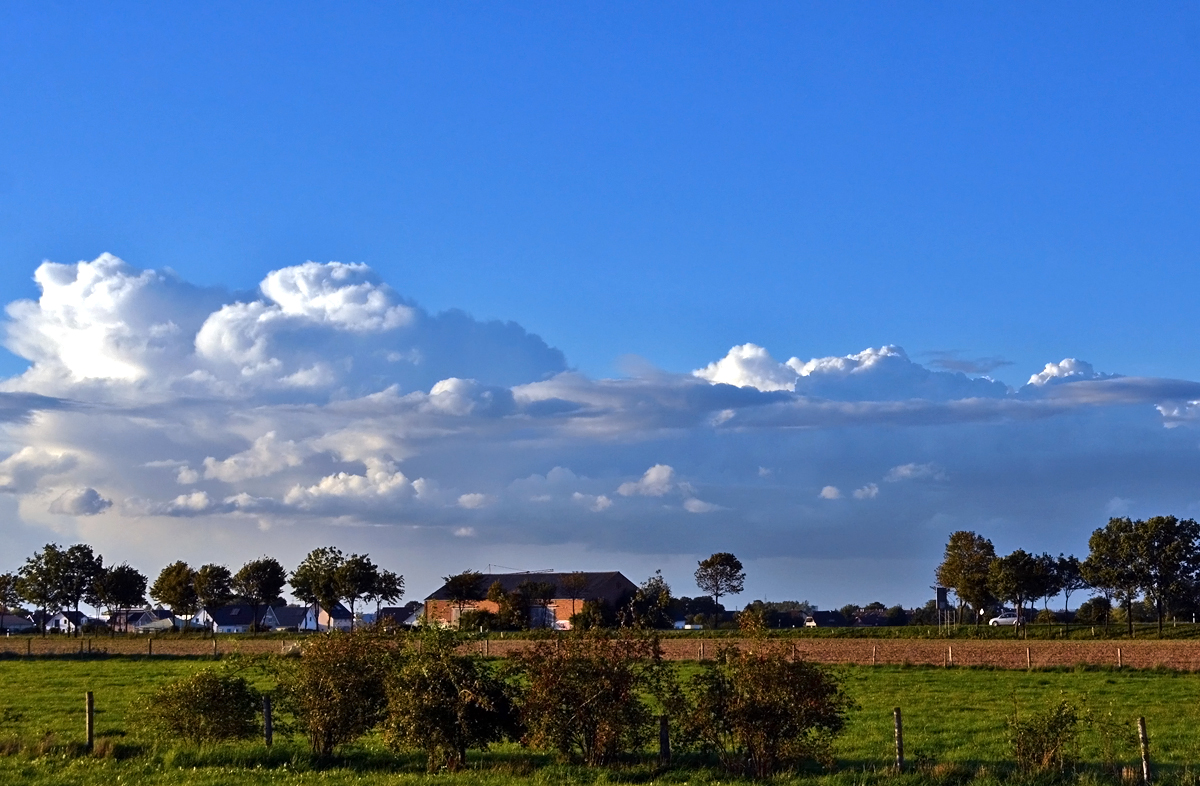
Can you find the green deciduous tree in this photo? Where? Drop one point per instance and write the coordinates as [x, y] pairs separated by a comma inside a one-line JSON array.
[[175, 587], [315, 580], [1111, 564], [40, 580], [1071, 580], [120, 587], [356, 579], [720, 574], [650, 605], [81, 568], [214, 586], [464, 588], [388, 588], [1168, 558], [9, 597], [964, 569], [1015, 579], [573, 587], [260, 582]]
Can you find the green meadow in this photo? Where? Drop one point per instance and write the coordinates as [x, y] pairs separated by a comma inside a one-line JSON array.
[[955, 723]]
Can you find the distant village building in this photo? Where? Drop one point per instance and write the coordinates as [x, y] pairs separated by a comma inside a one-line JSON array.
[[611, 587], [16, 623]]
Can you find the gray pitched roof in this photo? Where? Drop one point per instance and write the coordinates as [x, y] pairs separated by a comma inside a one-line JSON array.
[[608, 585], [290, 616], [235, 614]]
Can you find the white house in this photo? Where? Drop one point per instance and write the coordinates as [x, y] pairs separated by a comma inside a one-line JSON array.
[[234, 618], [68, 622], [319, 619]]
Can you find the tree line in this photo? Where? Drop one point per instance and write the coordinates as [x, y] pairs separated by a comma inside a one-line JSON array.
[[1156, 560], [55, 579]]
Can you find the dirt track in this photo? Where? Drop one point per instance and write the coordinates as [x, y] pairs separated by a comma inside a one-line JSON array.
[[1181, 655]]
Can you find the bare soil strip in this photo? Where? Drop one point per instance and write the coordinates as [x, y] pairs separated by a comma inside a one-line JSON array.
[[1016, 654]]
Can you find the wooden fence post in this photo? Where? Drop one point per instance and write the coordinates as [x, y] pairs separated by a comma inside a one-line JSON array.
[[268, 726], [89, 704], [1028, 658], [874, 651], [485, 648], [899, 739], [664, 741], [1119, 660], [950, 655], [702, 650], [1145, 743], [150, 644], [214, 639]]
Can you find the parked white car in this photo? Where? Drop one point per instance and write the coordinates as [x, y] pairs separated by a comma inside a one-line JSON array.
[[1006, 618]]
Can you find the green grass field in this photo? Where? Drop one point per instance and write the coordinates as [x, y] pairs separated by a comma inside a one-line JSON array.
[[955, 731]]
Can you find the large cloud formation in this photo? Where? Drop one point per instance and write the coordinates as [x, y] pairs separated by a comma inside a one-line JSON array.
[[158, 417]]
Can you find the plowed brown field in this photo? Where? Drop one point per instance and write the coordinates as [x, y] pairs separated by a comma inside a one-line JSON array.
[[1180, 655]]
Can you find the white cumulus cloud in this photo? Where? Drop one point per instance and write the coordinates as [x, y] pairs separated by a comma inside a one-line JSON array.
[[830, 492], [655, 482], [749, 365], [869, 491], [1067, 370]]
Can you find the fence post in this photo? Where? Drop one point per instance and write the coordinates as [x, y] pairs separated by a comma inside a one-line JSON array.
[[89, 704], [268, 727], [1119, 661], [950, 655], [485, 648], [1145, 743], [1028, 658], [150, 644], [664, 741], [29, 646], [214, 639], [899, 739], [702, 650], [874, 649]]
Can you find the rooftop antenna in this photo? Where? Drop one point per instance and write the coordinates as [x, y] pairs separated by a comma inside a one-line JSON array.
[[518, 570]]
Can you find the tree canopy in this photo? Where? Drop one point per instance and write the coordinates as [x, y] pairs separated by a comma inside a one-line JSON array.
[[965, 569], [720, 574]]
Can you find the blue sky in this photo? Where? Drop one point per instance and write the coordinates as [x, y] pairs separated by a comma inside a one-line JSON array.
[[990, 188]]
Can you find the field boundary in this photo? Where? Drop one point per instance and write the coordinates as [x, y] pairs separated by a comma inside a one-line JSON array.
[[1169, 654]]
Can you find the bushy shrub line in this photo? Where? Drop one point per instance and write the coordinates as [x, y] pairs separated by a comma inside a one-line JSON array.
[[587, 697]]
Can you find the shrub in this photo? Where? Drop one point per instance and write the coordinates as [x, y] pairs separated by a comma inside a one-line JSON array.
[[758, 711], [1094, 611], [1046, 617], [1045, 740], [585, 694], [203, 707], [336, 688], [443, 703], [594, 614], [476, 619]]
